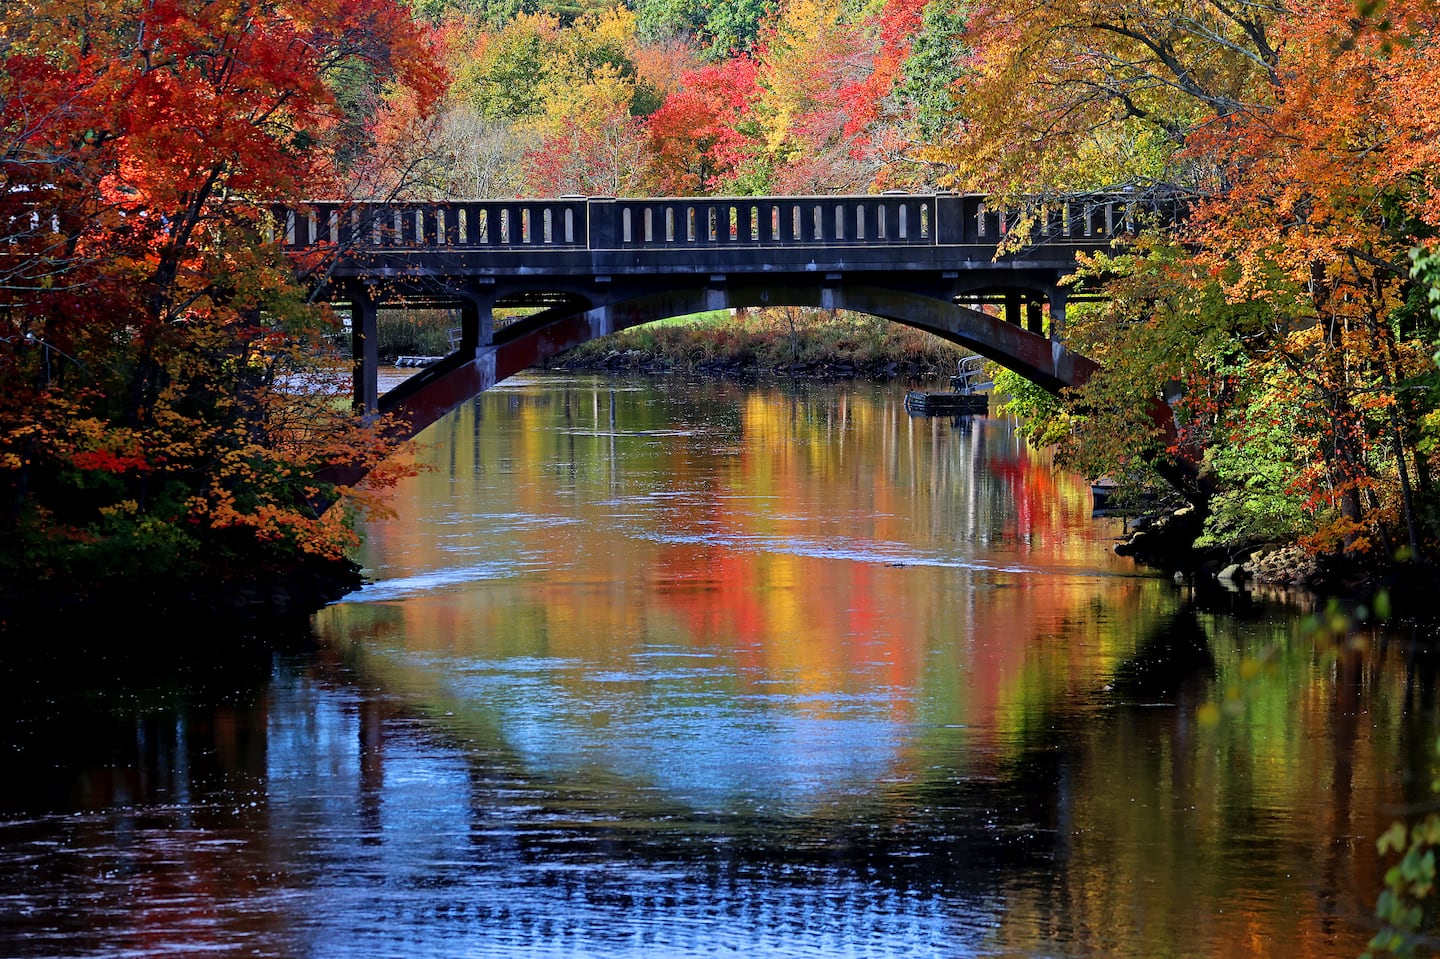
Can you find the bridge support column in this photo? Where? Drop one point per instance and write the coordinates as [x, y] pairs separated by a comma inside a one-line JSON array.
[[1034, 317], [1057, 314], [477, 318], [477, 326], [1012, 309], [365, 348]]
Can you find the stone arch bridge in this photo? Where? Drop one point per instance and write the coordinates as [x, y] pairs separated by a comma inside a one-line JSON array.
[[590, 266]]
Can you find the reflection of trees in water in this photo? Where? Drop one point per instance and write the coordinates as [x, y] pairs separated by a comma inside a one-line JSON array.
[[1108, 809], [1175, 655]]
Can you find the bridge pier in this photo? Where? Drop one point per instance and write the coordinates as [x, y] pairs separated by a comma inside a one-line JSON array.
[[477, 320], [1056, 298], [1012, 308], [365, 348]]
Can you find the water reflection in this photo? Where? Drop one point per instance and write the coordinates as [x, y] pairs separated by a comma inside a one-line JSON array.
[[705, 671]]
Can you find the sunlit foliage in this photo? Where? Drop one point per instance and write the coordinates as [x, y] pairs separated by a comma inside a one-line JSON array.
[[155, 413]]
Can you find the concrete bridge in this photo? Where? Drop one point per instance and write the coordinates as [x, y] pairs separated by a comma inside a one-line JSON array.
[[591, 266]]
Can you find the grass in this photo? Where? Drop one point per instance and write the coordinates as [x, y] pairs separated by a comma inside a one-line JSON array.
[[780, 340], [414, 332]]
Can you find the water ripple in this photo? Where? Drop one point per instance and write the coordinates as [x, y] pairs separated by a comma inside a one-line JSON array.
[[432, 580]]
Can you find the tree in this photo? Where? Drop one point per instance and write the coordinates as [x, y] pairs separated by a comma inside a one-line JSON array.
[[699, 135], [720, 30], [589, 143], [811, 61], [1052, 83], [1303, 138], [932, 68], [148, 330]]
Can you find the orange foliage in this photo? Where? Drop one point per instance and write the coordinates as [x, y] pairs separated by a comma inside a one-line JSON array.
[[153, 345]]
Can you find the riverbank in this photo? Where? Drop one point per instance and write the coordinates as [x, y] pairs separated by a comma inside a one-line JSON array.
[[786, 342], [130, 603], [1171, 541]]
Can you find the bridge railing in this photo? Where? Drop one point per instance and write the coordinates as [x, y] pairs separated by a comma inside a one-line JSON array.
[[603, 223], [1091, 219], [463, 223], [886, 220]]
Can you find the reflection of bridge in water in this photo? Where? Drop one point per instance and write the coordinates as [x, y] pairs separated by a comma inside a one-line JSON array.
[[592, 266]]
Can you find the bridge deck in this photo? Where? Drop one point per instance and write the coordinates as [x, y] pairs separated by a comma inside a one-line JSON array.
[[600, 264], [608, 237]]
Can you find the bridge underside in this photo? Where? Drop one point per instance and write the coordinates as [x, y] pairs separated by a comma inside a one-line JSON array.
[[486, 355]]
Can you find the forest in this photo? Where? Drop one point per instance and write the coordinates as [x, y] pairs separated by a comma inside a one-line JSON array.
[[152, 340]]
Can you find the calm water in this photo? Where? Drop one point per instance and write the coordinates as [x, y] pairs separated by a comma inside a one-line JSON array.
[[705, 670]]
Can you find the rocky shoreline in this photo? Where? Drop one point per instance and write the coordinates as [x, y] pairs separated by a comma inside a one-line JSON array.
[[1165, 541]]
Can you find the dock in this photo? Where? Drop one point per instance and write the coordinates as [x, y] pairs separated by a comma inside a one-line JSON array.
[[966, 396], [945, 404]]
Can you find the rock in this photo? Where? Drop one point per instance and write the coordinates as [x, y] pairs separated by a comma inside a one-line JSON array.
[[1167, 542], [1232, 573], [1285, 566]]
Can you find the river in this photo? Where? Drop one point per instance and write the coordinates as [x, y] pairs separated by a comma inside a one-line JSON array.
[[700, 669]]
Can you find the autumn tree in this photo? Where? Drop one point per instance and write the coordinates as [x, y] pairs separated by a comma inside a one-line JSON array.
[[588, 142], [539, 106], [811, 59], [1301, 141], [149, 331], [1073, 95], [703, 136]]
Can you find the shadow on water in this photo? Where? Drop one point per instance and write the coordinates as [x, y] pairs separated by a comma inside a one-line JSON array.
[[93, 714], [1174, 655]]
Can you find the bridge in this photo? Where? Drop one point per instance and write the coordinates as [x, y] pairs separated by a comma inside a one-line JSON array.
[[984, 277]]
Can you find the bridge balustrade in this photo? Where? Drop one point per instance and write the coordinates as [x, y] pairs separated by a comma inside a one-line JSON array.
[[418, 225], [768, 221], [602, 223]]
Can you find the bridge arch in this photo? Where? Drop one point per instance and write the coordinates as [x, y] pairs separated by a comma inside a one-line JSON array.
[[435, 391], [595, 265]]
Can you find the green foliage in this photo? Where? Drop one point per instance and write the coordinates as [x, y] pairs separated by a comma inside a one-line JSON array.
[[669, 19], [779, 339], [1425, 271], [497, 13], [357, 90], [414, 332], [735, 25], [508, 82], [1257, 504], [1257, 478], [719, 29], [1406, 907], [1044, 419], [934, 67]]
